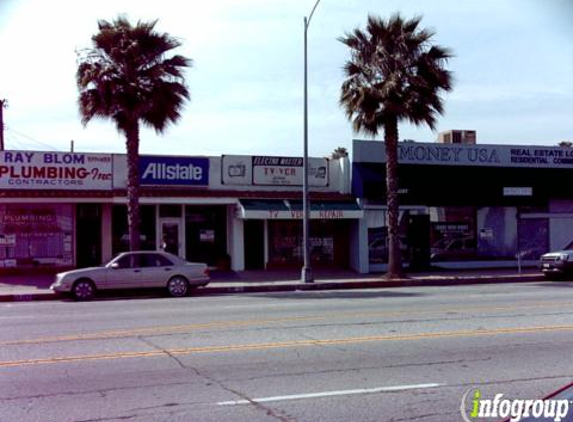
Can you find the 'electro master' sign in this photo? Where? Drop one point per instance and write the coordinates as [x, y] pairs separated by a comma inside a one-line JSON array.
[[174, 171]]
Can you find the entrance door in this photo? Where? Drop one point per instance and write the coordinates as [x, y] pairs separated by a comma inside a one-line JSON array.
[[419, 241], [171, 236], [254, 244]]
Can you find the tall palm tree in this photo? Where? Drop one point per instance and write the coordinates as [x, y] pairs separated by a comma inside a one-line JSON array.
[[394, 73], [129, 77], [339, 152]]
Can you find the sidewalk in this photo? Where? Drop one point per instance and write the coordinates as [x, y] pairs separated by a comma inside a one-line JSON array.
[[36, 287]]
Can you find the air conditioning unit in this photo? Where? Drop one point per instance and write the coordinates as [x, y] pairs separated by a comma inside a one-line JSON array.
[[457, 137]]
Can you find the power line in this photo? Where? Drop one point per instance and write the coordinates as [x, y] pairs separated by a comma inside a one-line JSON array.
[[29, 138]]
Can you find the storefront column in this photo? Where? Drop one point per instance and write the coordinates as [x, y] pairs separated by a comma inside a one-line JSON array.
[[266, 242], [236, 241], [359, 254], [106, 233]]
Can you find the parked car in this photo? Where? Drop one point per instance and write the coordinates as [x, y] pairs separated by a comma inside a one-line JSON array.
[[557, 264], [138, 269], [453, 249]]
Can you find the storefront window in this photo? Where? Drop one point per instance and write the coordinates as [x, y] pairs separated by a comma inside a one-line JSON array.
[[452, 233], [378, 235], [206, 235], [328, 242], [497, 232], [36, 235], [121, 232], [170, 211], [533, 237], [285, 242]]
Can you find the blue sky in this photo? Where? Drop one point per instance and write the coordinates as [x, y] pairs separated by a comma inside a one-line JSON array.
[[513, 70]]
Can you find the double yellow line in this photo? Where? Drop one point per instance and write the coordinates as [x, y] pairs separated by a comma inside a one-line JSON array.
[[183, 328], [286, 344]]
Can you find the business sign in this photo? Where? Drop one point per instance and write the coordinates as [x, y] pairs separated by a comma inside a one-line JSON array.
[[237, 170], [511, 191], [273, 171], [175, 171], [298, 214], [468, 155], [55, 170]]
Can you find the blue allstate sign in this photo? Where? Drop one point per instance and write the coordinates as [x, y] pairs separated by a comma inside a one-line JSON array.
[[180, 171]]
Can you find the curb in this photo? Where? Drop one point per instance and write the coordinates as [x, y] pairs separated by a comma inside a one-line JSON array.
[[343, 285]]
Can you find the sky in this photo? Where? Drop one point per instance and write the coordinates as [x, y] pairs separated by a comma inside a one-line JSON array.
[[513, 72]]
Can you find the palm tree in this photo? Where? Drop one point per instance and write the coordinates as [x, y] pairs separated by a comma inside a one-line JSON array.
[[394, 74], [127, 76], [339, 152]]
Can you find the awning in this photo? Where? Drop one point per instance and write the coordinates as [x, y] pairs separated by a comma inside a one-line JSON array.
[[278, 209]]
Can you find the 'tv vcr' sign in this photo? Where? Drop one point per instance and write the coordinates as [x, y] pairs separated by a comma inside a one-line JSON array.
[[180, 171]]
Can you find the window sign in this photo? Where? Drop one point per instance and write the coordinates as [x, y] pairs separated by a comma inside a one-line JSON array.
[[511, 191], [36, 235]]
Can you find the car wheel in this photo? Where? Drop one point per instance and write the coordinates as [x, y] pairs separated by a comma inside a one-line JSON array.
[[83, 290], [177, 286]]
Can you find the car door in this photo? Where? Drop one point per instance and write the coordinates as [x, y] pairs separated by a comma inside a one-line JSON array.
[[157, 270], [126, 274]]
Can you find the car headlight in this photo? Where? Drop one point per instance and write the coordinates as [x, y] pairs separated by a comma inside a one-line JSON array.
[[563, 257]]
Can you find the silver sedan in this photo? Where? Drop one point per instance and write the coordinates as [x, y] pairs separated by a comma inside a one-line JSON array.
[[129, 270]]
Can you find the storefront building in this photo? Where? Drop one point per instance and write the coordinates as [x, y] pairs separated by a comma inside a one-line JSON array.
[[465, 206], [63, 210]]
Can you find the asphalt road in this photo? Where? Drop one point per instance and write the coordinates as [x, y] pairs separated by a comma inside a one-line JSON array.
[[349, 356]]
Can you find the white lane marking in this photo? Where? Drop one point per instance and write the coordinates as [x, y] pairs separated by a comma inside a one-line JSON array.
[[331, 393]]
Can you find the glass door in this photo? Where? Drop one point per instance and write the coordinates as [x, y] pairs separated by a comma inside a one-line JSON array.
[[171, 236]]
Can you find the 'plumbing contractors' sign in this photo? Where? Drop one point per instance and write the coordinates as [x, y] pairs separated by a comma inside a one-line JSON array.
[[55, 170]]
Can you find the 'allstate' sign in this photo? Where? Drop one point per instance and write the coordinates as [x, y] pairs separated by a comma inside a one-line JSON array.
[[180, 171]]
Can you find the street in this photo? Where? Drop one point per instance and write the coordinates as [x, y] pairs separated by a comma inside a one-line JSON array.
[[397, 354]]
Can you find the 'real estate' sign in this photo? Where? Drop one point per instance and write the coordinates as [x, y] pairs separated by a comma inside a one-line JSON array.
[[176, 171], [55, 170], [272, 171], [468, 155]]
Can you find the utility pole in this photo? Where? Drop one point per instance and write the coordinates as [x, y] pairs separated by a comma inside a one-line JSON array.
[[3, 104], [306, 272]]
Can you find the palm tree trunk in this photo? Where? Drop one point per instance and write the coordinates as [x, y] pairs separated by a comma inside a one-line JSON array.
[[133, 216], [391, 143]]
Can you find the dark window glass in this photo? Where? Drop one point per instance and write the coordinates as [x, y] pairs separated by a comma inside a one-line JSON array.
[[124, 262], [170, 210], [154, 260], [120, 228], [163, 262]]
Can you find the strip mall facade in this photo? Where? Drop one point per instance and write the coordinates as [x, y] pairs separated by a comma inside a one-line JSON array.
[[466, 206], [462, 206], [60, 210]]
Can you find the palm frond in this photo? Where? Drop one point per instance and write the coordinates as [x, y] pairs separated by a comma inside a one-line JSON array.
[[394, 73], [129, 75]]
